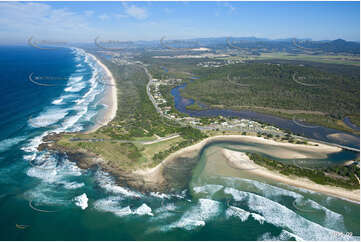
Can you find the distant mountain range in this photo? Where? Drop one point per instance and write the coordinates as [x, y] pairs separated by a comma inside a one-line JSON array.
[[254, 44]]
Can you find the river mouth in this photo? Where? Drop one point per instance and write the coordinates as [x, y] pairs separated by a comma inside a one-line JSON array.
[[214, 178], [270, 151]]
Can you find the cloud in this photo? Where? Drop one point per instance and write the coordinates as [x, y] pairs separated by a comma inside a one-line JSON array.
[[103, 17], [88, 13], [168, 10], [135, 12], [22, 20], [120, 15]]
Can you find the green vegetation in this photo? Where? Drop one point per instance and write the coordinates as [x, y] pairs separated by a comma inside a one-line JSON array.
[[334, 59], [342, 176], [194, 106], [355, 119], [123, 143], [322, 94], [136, 116], [165, 90]]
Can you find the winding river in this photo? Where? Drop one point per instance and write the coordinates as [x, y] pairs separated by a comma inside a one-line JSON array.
[[314, 132]]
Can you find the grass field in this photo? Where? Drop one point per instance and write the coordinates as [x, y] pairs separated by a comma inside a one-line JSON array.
[[331, 59]]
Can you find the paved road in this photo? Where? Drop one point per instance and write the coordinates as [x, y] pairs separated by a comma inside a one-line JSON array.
[[148, 91], [144, 142], [161, 139]]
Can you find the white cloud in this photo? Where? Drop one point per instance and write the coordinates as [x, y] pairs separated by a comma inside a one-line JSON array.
[[168, 10], [88, 13], [22, 20], [103, 17], [120, 15], [136, 12]]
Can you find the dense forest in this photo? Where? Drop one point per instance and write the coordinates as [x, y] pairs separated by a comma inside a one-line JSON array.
[[326, 92]]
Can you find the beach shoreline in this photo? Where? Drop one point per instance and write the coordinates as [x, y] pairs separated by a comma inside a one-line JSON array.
[[155, 174], [239, 160], [109, 99]]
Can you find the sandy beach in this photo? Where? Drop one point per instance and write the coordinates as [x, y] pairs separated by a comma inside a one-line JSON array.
[[241, 161], [281, 150], [109, 99]]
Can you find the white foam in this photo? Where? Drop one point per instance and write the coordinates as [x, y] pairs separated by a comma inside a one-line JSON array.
[[243, 215], [75, 79], [144, 209], [80, 70], [266, 190], [188, 224], [209, 189], [160, 195], [34, 143], [73, 185], [198, 215], [7, 143], [258, 218], [167, 207], [165, 211], [76, 87], [111, 204], [281, 216], [332, 220], [48, 117], [237, 212], [81, 201], [283, 236], [58, 101], [107, 182], [51, 171]]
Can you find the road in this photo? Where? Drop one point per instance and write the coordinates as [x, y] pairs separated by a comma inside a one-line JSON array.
[[160, 139], [143, 142], [148, 91]]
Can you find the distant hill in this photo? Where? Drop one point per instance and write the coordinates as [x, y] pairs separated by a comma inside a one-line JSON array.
[[336, 46], [256, 45], [290, 44]]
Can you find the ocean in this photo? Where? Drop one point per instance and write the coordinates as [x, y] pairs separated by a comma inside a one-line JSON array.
[[44, 196]]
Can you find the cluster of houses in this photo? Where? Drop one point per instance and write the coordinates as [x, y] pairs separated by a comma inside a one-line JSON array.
[[160, 101], [224, 123], [219, 63], [220, 123]]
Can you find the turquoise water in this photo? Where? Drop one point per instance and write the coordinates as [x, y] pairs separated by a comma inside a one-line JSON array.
[[46, 197], [306, 214]]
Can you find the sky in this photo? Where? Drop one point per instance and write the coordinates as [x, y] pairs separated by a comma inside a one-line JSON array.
[[131, 21]]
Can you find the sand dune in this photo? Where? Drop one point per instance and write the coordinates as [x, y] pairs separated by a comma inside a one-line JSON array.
[[241, 161]]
